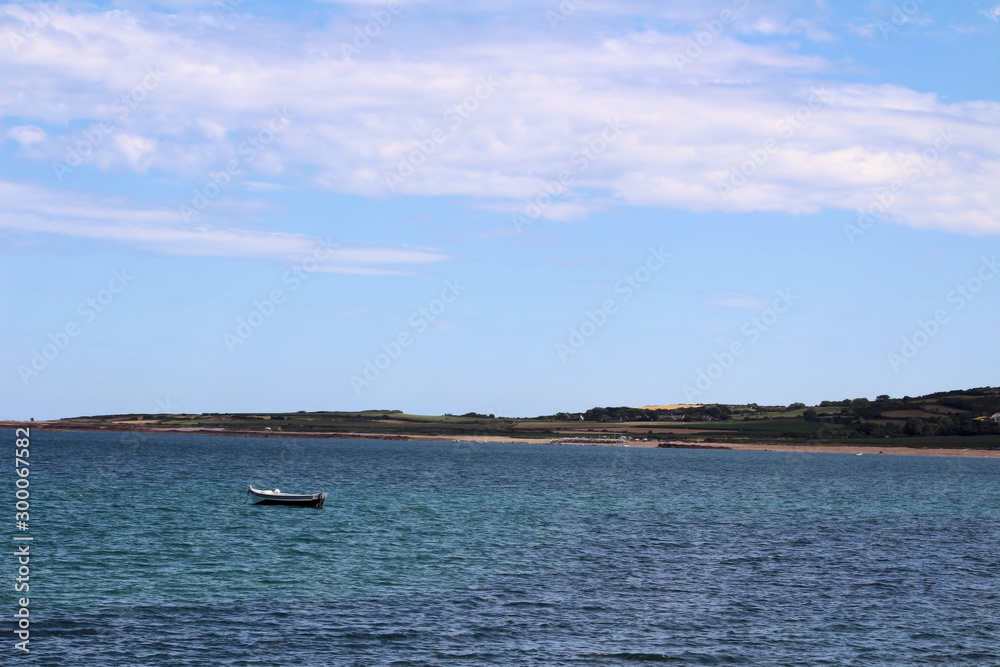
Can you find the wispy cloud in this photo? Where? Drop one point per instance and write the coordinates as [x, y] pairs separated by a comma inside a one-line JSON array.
[[993, 14], [26, 135], [42, 210]]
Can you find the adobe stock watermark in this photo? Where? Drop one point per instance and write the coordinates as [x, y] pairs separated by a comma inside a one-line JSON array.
[[122, 107], [706, 38], [752, 330], [902, 14], [927, 330], [627, 287], [38, 21], [454, 116], [88, 310], [582, 158], [264, 309], [166, 406], [562, 12], [363, 35], [419, 322], [224, 8], [22, 522], [785, 128], [913, 171], [219, 181]]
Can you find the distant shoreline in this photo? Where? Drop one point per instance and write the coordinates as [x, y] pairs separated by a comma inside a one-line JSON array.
[[867, 450], [827, 448]]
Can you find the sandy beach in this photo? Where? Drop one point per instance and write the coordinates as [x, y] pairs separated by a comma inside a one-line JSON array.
[[867, 450], [763, 447]]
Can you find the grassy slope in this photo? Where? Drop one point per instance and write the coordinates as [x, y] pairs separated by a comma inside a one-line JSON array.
[[747, 423]]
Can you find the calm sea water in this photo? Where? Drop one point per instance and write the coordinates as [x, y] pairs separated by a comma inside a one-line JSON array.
[[483, 554]]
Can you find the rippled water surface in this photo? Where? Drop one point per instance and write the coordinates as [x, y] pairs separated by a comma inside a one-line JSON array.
[[485, 554]]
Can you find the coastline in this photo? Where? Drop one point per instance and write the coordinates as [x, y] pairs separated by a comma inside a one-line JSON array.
[[866, 450], [827, 448]]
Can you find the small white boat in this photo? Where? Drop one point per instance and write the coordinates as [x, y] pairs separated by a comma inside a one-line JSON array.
[[276, 497]]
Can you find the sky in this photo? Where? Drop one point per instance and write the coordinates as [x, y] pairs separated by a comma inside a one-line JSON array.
[[515, 208]]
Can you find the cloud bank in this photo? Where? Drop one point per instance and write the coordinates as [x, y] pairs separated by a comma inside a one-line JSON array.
[[711, 121]]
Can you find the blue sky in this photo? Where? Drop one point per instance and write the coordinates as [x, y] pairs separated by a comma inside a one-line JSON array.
[[544, 207]]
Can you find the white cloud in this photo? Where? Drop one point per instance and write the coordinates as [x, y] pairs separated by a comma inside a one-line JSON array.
[[259, 186], [353, 122], [26, 135], [41, 210], [135, 150]]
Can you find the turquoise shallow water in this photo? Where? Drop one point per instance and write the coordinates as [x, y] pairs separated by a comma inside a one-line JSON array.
[[482, 554]]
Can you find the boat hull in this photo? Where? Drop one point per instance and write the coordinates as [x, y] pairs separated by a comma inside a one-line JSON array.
[[289, 499]]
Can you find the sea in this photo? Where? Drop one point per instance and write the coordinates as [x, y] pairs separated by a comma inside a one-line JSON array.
[[448, 553]]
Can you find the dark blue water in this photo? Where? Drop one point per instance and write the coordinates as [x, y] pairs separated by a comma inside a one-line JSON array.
[[477, 554]]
